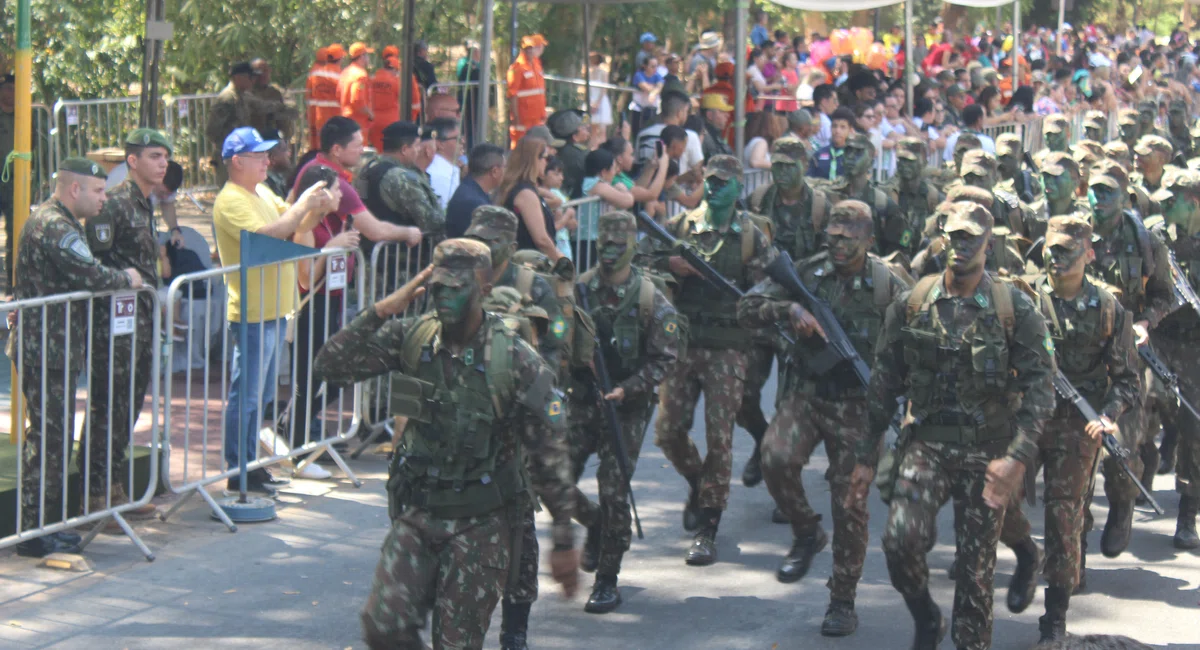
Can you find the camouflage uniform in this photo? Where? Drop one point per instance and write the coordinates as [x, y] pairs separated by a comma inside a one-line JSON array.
[[1018, 181], [830, 409], [54, 258], [274, 112], [121, 236], [917, 202], [1003, 254], [1136, 263], [398, 193], [1007, 209], [798, 224], [639, 346], [1128, 128], [716, 358], [1175, 338], [889, 223], [1056, 130], [1140, 187], [230, 110], [1093, 343], [959, 419], [449, 548]]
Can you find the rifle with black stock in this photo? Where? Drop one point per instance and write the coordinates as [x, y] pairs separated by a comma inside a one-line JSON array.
[[604, 385], [706, 271], [1183, 289], [1164, 374], [1067, 391]]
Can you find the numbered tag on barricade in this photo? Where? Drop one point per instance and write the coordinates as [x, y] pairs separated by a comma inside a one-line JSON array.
[[124, 314], [336, 271]]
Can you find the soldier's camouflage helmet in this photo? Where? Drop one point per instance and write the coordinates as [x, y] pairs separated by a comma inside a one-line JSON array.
[[1057, 163], [789, 150], [963, 193], [1149, 144], [1007, 144], [1127, 117], [1069, 231], [490, 221], [911, 149], [1178, 182], [724, 167], [967, 141], [970, 217], [616, 226], [1110, 173], [849, 218], [507, 300], [532, 258], [978, 161], [455, 260], [1056, 124]]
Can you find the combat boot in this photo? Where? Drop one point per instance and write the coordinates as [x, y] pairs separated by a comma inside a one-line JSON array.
[[45, 545], [591, 549], [1117, 529], [752, 473], [1053, 625], [514, 624], [704, 549], [840, 619], [1166, 453], [691, 509], [928, 621], [1023, 586], [952, 570], [605, 595], [1185, 526], [796, 563]]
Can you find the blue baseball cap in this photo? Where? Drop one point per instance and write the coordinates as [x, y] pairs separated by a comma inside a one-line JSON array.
[[245, 140], [649, 38]]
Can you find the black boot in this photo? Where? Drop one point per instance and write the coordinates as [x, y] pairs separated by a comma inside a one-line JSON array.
[[1149, 457], [1117, 529], [777, 516], [590, 559], [605, 595], [1166, 453], [1185, 526], [45, 545], [928, 621], [796, 563], [752, 472], [840, 619], [514, 623], [704, 549], [952, 571], [1023, 586], [1053, 625], [1082, 584], [691, 509]]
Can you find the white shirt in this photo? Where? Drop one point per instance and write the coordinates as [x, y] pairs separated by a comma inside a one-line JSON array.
[[824, 134], [693, 155], [989, 145], [444, 178]]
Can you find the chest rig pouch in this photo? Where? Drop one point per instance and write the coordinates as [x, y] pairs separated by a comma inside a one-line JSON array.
[[711, 314]]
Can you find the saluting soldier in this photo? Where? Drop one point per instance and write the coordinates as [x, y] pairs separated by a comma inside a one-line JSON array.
[[54, 258]]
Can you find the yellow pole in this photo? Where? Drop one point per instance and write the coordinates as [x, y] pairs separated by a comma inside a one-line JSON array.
[[20, 160]]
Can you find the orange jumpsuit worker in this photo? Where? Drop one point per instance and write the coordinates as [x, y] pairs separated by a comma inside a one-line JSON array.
[[321, 90], [354, 88], [526, 89], [385, 96]]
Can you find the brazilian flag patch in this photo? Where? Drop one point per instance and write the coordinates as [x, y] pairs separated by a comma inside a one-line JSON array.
[[670, 327], [554, 410], [559, 328], [1049, 344], [906, 238]]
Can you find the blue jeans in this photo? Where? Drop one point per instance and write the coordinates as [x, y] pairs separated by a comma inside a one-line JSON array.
[[258, 387]]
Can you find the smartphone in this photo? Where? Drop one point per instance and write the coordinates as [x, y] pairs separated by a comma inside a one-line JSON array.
[[659, 147], [328, 176]]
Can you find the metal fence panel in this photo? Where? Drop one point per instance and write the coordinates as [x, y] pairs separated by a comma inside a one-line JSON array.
[[185, 117], [81, 126]]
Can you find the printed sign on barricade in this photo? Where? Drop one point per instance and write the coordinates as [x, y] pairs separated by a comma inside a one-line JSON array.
[[294, 306], [85, 452]]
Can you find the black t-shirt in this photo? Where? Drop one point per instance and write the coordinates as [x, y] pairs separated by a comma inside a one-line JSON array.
[[524, 239]]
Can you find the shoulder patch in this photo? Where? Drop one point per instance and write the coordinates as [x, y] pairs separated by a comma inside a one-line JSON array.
[[1048, 343], [74, 244], [559, 327], [554, 409]]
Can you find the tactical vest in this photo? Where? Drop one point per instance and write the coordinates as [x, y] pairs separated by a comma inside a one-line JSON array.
[[712, 314], [373, 175], [799, 239], [860, 312], [1183, 323], [625, 325], [448, 461], [1080, 343], [575, 333], [1132, 264], [959, 390]]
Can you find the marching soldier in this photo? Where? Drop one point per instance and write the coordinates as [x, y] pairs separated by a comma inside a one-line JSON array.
[[1179, 133], [974, 359], [1056, 135], [1128, 128], [1136, 263], [1014, 178], [1061, 176], [54, 258], [830, 409], [979, 170], [1119, 152], [638, 331], [1095, 126], [797, 210], [859, 185], [1093, 343], [715, 362], [917, 197], [1147, 114], [459, 479], [1153, 154]]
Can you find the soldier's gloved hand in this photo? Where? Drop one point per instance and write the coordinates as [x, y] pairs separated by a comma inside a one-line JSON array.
[[1004, 476], [135, 279], [564, 567], [400, 299], [564, 269], [1096, 428], [860, 483]]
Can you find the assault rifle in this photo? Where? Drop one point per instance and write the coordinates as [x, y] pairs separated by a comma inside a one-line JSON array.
[[706, 271], [1183, 289], [604, 386], [1067, 391], [838, 350], [1168, 378]]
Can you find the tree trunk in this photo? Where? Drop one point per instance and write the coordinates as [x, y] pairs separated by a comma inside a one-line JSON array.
[[955, 17]]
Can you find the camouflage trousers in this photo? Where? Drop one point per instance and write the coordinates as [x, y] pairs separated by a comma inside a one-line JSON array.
[[1068, 460], [1138, 427], [524, 589], [127, 392], [720, 374], [1181, 356], [758, 370], [931, 473], [54, 410], [801, 423], [454, 568], [588, 434]]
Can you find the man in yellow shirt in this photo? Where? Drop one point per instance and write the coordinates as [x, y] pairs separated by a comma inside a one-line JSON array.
[[244, 203]]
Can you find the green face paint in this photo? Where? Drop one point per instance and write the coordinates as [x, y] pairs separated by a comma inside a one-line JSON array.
[[909, 170], [1058, 188], [848, 251], [1105, 200], [966, 252], [1182, 213], [1008, 165], [1056, 141], [788, 176], [1061, 261], [452, 303], [721, 197], [615, 254]]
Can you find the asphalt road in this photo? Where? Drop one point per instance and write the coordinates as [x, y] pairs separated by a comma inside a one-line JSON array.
[[298, 582]]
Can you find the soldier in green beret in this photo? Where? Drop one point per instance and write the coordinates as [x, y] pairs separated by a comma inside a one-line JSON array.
[[55, 258]]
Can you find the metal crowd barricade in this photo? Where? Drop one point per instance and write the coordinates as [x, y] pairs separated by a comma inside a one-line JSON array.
[[44, 385], [83, 125], [392, 263], [583, 243], [564, 93], [196, 419], [185, 117]]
